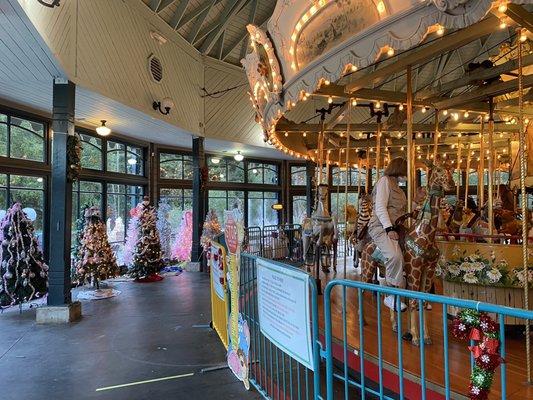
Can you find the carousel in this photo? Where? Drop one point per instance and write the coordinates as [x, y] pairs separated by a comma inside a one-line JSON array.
[[445, 84]]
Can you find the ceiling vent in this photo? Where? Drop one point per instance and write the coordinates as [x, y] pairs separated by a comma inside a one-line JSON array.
[[155, 68]]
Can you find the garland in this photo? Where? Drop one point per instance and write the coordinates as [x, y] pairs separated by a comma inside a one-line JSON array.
[[73, 157], [484, 332]]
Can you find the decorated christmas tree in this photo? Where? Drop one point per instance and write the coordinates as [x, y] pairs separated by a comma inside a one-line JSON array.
[[183, 245], [24, 273], [211, 229], [95, 259], [132, 235], [80, 226], [164, 228], [147, 258]]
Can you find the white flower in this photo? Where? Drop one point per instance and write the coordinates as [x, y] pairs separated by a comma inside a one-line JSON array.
[[466, 267], [470, 277], [462, 327], [475, 390], [477, 266], [485, 358], [494, 275], [454, 269]]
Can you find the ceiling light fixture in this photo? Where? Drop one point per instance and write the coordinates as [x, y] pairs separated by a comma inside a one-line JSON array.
[[238, 156], [103, 130], [215, 160]]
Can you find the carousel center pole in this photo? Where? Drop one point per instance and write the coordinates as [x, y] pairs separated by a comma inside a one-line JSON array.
[[458, 169], [410, 152], [481, 167], [523, 172], [491, 167], [467, 183]]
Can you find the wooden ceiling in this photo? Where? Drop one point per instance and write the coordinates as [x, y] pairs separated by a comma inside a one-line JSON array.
[[215, 27]]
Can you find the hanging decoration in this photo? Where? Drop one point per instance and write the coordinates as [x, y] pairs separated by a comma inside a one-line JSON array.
[[73, 157], [95, 258], [147, 258], [23, 270], [164, 227], [483, 331]]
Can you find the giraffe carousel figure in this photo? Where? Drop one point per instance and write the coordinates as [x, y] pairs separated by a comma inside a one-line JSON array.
[[320, 235], [420, 254]]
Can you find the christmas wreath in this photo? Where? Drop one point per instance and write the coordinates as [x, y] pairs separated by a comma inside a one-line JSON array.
[[484, 333]]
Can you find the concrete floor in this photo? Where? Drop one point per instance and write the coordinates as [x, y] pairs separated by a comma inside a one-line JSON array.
[[150, 331]]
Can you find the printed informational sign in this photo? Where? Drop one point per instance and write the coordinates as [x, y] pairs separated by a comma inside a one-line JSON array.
[[239, 333], [284, 313], [217, 258]]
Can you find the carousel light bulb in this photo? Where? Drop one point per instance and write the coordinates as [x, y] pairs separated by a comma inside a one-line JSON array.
[[330, 100], [390, 51], [354, 102], [360, 134], [505, 150], [304, 134], [419, 157], [329, 151], [424, 110], [513, 120], [326, 82], [377, 104], [499, 156], [445, 155], [286, 134], [342, 151], [486, 117], [399, 135], [419, 135], [353, 68], [501, 134], [502, 7], [459, 135], [440, 30], [503, 24], [402, 148], [445, 112], [456, 117], [473, 152], [466, 114], [453, 146], [526, 121], [523, 36], [487, 152], [400, 107], [478, 158]]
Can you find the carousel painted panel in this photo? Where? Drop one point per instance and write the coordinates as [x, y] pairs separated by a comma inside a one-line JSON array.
[[491, 273]]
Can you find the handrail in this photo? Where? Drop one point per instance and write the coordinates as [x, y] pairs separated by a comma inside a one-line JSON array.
[[433, 298]]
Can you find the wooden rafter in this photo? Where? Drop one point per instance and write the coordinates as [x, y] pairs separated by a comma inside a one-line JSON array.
[[179, 13], [193, 34], [368, 94], [195, 13], [220, 25], [520, 15]]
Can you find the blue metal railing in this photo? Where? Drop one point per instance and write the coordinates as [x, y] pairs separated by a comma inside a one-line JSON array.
[[273, 373], [420, 298], [276, 375]]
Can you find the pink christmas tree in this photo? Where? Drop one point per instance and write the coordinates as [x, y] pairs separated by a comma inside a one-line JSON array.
[[132, 235], [183, 245]]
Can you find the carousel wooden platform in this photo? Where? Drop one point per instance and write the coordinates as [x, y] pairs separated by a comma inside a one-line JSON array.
[[459, 355]]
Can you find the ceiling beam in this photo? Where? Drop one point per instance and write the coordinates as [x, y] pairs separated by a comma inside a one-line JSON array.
[[193, 34], [473, 77], [251, 19], [195, 13], [337, 117], [230, 10], [154, 4], [372, 127], [179, 13], [520, 15], [369, 94], [163, 4], [236, 43], [449, 42], [483, 93]]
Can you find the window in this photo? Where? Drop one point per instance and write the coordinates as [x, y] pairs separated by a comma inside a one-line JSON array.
[[22, 138], [175, 166], [263, 173], [29, 191], [222, 200], [423, 177], [355, 177], [179, 200], [457, 178], [338, 203], [260, 212], [124, 159], [473, 180], [299, 209], [298, 175], [120, 200], [226, 170], [91, 154]]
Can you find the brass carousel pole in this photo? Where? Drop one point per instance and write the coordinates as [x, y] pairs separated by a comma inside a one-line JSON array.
[[348, 176], [378, 149], [436, 136], [410, 153], [467, 183], [458, 168], [523, 205], [481, 167], [491, 167]]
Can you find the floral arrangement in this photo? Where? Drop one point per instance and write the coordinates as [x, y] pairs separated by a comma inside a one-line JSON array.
[[477, 269], [483, 331]]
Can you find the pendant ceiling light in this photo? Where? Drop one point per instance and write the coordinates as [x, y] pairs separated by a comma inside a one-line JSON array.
[[103, 130], [238, 156]]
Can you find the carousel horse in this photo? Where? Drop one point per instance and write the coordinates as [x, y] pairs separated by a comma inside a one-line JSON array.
[[363, 218], [351, 222], [418, 244], [320, 235]]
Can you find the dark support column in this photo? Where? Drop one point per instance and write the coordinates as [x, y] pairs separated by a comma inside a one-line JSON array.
[[61, 195], [309, 175], [152, 173], [199, 195], [418, 178]]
